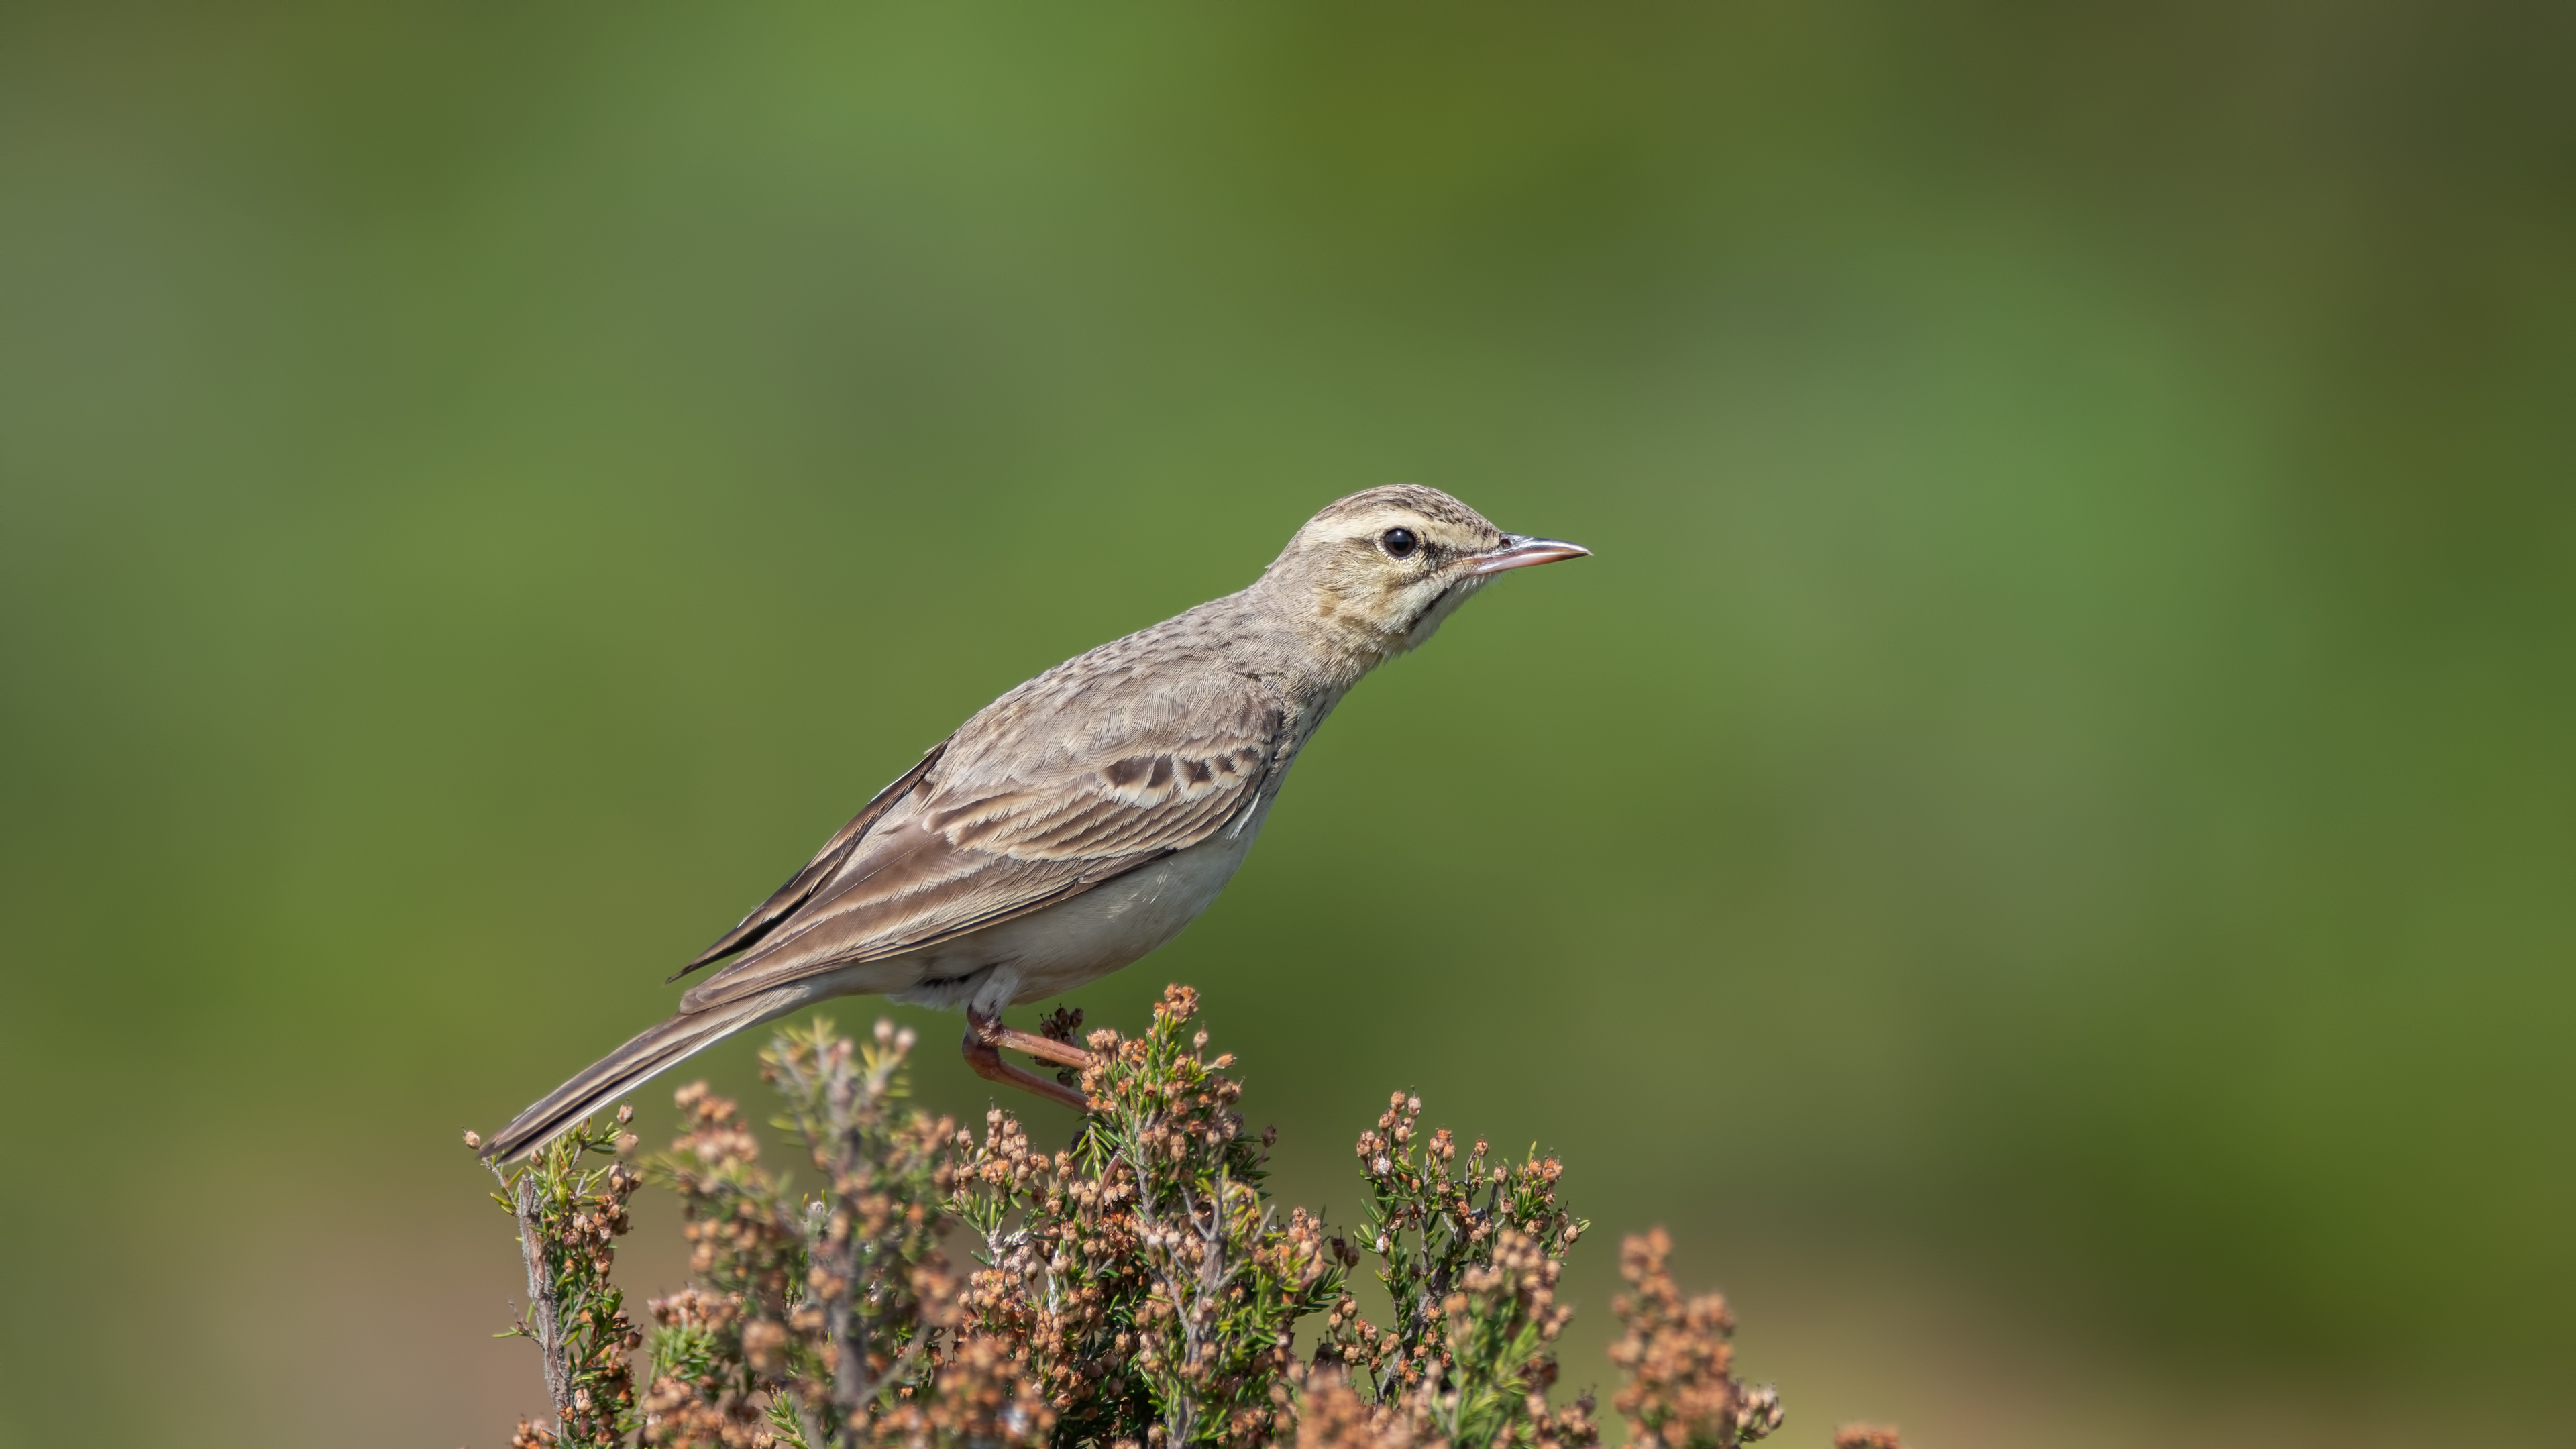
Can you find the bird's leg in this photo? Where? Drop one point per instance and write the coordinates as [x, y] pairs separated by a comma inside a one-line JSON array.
[[985, 1038], [1044, 1048]]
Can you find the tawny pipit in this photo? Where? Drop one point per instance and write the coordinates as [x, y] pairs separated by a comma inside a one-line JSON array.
[[1084, 818]]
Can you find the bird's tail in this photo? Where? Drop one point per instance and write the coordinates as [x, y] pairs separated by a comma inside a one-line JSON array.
[[631, 1066]]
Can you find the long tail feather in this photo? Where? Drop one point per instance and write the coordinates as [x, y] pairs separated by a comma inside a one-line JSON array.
[[630, 1066]]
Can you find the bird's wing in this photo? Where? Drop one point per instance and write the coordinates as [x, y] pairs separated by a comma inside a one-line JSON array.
[[801, 887], [1062, 784]]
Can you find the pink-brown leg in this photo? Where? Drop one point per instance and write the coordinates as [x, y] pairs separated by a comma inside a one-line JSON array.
[[985, 1038]]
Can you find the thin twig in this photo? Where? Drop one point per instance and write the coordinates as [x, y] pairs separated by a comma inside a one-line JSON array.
[[544, 1319]]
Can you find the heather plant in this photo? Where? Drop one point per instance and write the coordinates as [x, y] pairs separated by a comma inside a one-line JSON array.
[[1681, 1392], [1469, 1253], [723, 1359], [1150, 1280], [936, 1287], [570, 1211]]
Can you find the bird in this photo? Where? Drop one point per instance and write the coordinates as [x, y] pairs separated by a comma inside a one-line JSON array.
[[1083, 819]]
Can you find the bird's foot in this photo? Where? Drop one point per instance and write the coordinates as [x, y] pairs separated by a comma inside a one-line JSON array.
[[985, 1039]]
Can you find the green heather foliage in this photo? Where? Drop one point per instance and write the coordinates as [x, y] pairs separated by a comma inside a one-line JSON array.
[[1139, 1290], [569, 1214]]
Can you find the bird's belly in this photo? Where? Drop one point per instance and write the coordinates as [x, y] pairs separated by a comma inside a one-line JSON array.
[[1114, 923], [1052, 951]]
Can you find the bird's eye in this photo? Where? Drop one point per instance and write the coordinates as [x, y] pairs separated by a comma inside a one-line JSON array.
[[1400, 542]]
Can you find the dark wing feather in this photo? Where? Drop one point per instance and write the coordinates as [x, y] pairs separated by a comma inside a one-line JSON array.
[[1060, 785], [765, 917]]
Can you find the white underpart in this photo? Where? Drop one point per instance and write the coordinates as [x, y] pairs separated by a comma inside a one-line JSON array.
[[1049, 952]]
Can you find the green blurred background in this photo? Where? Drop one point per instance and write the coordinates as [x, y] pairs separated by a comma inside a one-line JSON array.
[[2040, 846]]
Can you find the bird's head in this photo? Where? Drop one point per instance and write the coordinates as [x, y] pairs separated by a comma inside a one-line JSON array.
[[1376, 572]]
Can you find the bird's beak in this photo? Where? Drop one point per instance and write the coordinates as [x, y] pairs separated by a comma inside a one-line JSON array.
[[1518, 552]]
